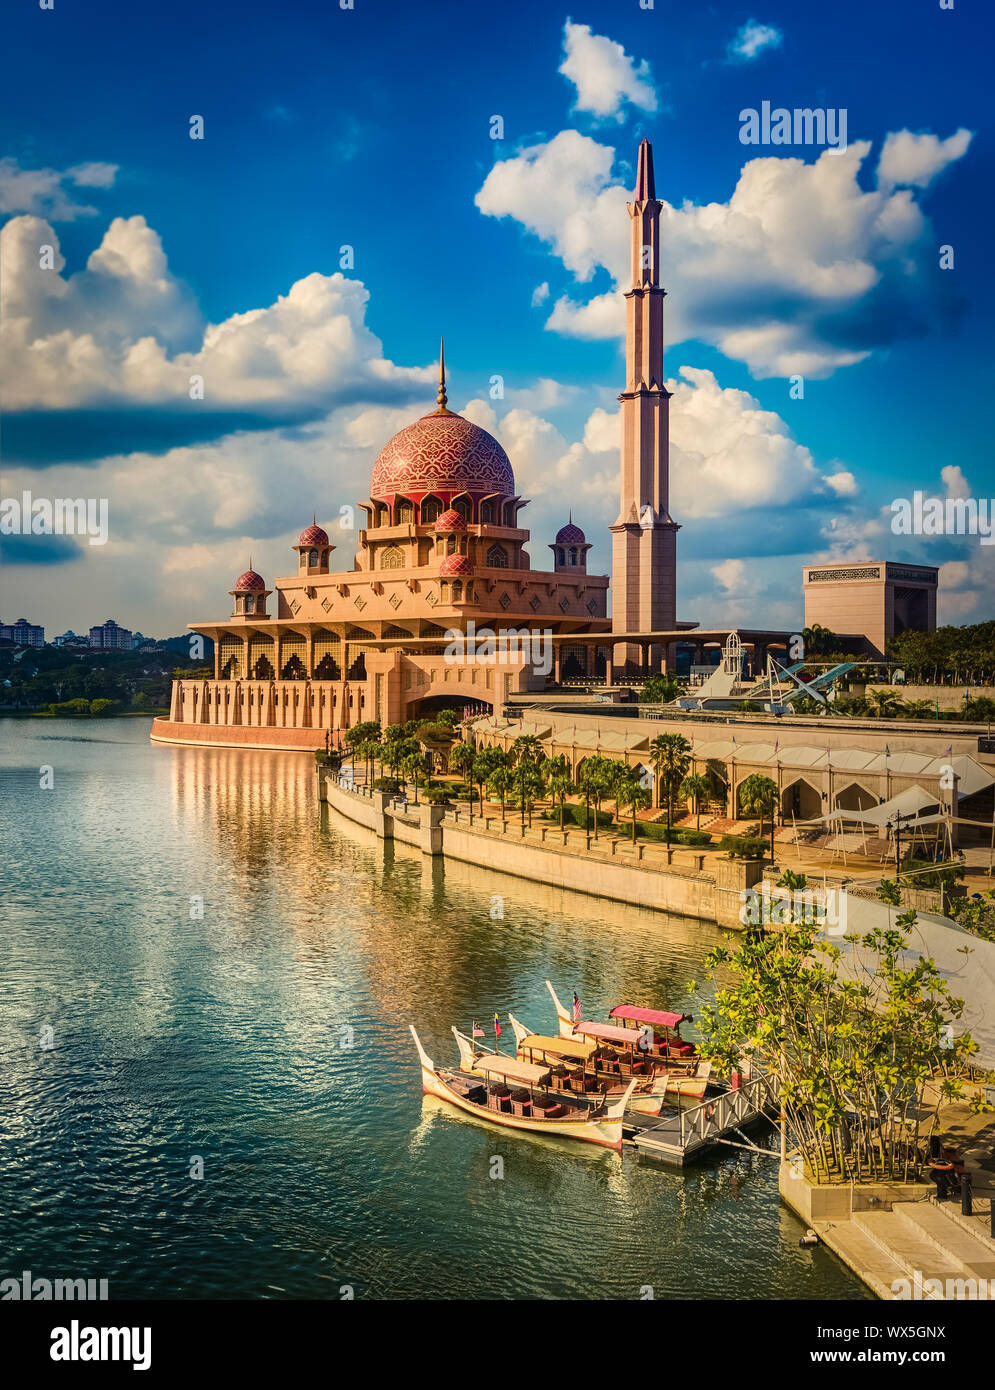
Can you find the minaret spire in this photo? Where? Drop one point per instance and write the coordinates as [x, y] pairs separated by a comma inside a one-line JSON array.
[[644, 557], [442, 399]]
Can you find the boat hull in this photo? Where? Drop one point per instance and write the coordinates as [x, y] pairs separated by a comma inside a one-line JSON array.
[[607, 1133]]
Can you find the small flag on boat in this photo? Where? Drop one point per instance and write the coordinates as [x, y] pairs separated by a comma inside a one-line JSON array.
[[576, 1007], [497, 1026], [887, 751], [478, 1032]]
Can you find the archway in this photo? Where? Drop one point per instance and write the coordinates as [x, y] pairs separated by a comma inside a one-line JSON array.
[[856, 798], [801, 800]]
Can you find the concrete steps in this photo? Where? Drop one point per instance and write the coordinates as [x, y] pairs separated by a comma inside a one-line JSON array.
[[926, 1220], [913, 1238]]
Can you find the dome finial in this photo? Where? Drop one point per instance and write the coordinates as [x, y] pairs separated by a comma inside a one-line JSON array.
[[442, 400]]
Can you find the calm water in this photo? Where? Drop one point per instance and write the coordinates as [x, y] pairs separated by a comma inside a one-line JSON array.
[[221, 1036]]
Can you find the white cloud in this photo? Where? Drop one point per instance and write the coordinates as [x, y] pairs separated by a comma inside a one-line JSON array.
[[540, 294], [605, 77], [954, 482], [752, 39], [801, 271], [125, 331], [730, 575], [907, 158], [844, 484], [47, 192]]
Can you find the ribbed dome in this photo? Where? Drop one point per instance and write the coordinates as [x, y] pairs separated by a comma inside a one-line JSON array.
[[570, 535], [455, 565], [450, 521], [249, 582], [442, 453], [313, 535]]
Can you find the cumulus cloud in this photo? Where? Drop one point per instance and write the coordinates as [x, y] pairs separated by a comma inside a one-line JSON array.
[[912, 159], [124, 332], [540, 294], [48, 192], [752, 39], [801, 271], [605, 77], [730, 575]]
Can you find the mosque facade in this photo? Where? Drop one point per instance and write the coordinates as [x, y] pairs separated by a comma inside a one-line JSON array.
[[443, 605]]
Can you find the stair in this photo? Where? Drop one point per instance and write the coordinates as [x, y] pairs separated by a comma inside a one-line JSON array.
[[912, 1238]]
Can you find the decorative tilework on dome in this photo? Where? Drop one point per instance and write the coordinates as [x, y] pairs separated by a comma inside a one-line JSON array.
[[570, 535], [450, 521], [249, 582], [442, 453], [455, 565], [313, 535]]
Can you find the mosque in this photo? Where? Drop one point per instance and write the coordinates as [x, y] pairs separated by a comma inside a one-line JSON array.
[[443, 560]]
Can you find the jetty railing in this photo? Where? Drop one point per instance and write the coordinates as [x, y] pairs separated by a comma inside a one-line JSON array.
[[708, 1121]]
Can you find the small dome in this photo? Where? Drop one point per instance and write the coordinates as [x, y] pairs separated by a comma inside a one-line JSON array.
[[313, 535], [456, 565], [249, 582], [450, 521], [570, 535]]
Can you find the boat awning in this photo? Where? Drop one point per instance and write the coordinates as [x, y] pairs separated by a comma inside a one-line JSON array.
[[658, 1017], [610, 1032], [513, 1070], [562, 1047]]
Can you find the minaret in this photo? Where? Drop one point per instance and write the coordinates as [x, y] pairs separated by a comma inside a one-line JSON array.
[[644, 538]]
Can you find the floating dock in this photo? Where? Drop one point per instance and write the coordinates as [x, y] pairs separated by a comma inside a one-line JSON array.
[[685, 1135]]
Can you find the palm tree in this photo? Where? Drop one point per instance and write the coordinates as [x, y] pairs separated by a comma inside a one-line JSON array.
[[631, 793], [527, 783], [594, 781], [670, 755], [758, 795], [886, 703], [413, 768], [461, 758], [500, 783], [527, 747], [560, 787], [696, 787]]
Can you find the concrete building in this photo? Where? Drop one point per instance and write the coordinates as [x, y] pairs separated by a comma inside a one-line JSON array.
[[110, 637], [876, 599], [22, 633]]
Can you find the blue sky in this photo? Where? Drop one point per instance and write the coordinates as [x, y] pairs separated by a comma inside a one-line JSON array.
[[371, 128]]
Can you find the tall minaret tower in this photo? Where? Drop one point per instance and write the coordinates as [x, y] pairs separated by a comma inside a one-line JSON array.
[[644, 538]]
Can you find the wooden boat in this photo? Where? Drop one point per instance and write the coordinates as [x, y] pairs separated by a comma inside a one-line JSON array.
[[687, 1075], [577, 1066], [484, 1092]]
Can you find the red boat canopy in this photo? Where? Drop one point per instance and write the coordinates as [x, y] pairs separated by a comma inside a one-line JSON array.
[[655, 1016]]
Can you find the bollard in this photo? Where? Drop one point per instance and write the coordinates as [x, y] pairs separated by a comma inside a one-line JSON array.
[[934, 1146], [965, 1194], [941, 1186]]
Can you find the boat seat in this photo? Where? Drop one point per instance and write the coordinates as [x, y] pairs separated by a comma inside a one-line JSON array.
[[553, 1112]]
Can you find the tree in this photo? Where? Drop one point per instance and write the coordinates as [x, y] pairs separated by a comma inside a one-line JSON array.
[[461, 758], [758, 796], [560, 787], [413, 768], [660, 688], [886, 703], [670, 755], [849, 1054], [890, 892], [695, 787], [528, 784], [595, 782], [500, 783], [630, 793]]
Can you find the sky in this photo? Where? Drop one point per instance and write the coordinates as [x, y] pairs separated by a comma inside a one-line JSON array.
[[372, 177]]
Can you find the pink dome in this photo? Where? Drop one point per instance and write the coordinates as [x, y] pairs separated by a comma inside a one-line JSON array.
[[442, 453], [249, 582], [450, 521], [455, 565], [570, 535], [313, 535]]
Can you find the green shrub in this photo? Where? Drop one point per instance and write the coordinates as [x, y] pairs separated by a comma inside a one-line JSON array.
[[332, 759], [104, 707], [694, 837], [743, 846], [574, 815], [387, 784], [437, 796]]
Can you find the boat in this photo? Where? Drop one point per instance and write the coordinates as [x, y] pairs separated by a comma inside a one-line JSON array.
[[687, 1074], [577, 1066], [485, 1093]]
